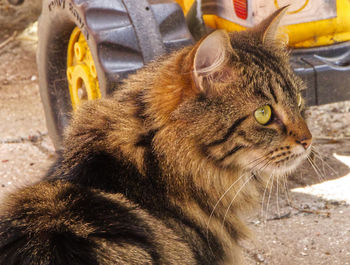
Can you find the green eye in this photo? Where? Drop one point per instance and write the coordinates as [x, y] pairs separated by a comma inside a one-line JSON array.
[[263, 114]]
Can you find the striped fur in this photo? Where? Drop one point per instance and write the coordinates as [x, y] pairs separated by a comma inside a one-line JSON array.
[[160, 172]]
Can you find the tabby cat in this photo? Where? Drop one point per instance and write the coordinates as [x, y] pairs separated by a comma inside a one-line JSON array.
[[160, 172]]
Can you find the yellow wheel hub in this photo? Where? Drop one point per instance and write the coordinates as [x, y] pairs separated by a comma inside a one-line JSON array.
[[81, 70]]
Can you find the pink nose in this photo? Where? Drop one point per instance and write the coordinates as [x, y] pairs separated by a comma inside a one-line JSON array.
[[305, 142], [302, 134]]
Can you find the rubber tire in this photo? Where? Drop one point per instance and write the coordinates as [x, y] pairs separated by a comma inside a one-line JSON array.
[[122, 35], [56, 23]]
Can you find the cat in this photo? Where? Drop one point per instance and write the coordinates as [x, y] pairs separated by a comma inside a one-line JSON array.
[[160, 172]]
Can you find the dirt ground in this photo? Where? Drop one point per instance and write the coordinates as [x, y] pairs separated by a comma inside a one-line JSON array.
[[308, 222], [16, 18]]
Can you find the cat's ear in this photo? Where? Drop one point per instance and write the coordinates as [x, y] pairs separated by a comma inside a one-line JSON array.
[[268, 28], [210, 58]]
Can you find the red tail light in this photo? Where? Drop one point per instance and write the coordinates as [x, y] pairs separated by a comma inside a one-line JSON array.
[[241, 8]]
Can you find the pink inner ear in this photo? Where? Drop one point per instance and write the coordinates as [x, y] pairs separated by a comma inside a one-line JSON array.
[[211, 52], [268, 28], [225, 74], [208, 59], [204, 62]]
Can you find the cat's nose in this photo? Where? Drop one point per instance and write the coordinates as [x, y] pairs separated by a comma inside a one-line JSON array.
[[302, 134], [305, 142]]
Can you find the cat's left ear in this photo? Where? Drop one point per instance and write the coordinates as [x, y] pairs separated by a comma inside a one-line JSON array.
[[210, 59], [267, 30]]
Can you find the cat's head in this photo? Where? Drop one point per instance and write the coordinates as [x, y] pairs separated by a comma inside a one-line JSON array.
[[247, 108]]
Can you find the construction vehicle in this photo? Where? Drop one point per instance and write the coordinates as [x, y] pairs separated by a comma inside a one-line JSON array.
[[87, 47]]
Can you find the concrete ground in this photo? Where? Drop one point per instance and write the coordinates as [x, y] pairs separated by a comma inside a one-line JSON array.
[[309, 226]]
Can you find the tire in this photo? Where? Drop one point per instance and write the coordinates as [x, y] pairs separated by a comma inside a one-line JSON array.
[[122, 36]]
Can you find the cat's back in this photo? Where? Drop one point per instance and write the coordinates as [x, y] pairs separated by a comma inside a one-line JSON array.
[[63, 223]]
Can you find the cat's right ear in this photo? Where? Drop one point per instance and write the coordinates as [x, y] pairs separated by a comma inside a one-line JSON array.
[[210, 59], [267, 30]]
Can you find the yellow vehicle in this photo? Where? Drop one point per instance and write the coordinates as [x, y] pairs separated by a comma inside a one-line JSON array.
[[87, 47], [308, 23]]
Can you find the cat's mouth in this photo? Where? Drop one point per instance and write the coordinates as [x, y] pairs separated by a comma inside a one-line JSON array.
[[287, 162], [281, 162]]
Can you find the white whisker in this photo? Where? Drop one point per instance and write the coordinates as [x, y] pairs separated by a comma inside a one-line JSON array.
[[321, 158], [286, 189], [268, 200], [217, 203], [258, 161], [315, 169], [263, 198], [234, 197], [278, 203]]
